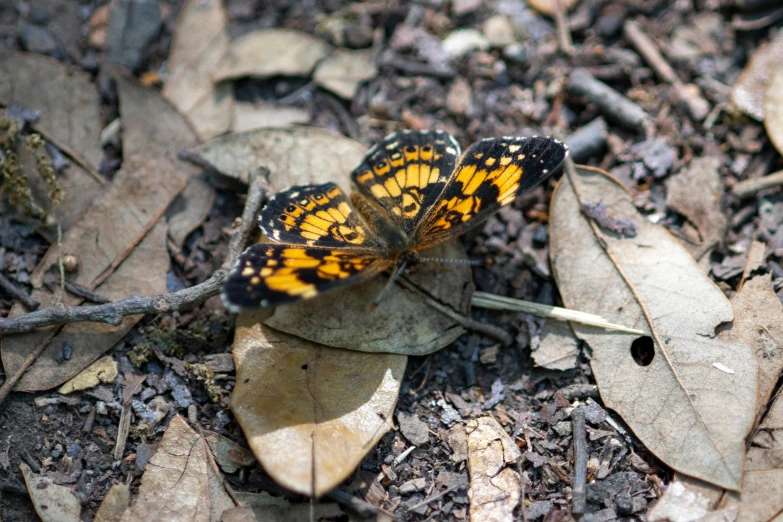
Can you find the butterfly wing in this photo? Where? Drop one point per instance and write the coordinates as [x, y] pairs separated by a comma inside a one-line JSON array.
[[271, 274], [491, 174], [315, 215], [405, 173]]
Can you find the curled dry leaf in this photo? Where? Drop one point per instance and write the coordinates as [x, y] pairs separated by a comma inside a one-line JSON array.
[[558, 348], [114, 504], [310, 413], [228, 454], [294, 156], [179, 482], [198, 45], [773, 108], [272, 52], [687, 412], [495, 487], [52, 502], [749, 89], [344, 70], [249, 116], [116, 229], [69, 113], [189, 210]]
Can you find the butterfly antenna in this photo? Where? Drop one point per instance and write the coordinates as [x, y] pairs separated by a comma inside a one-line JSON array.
[[395, 275], [473, 262]]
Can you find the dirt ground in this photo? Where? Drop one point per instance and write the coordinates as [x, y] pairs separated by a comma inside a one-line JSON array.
[[517, 88]]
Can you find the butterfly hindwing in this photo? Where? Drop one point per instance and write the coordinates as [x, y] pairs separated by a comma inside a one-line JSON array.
[[491, 174], [405, 173], [314, 215], [270, 274]]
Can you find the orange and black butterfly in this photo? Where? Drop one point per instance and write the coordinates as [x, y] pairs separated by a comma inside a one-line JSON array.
[[413, 191]]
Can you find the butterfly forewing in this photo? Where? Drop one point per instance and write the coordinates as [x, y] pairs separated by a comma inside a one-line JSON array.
[[271, 274], [314, 215], [491, 174], [405, 173]]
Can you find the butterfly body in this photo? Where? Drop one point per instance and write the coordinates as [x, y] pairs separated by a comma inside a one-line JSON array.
[[410, 194]]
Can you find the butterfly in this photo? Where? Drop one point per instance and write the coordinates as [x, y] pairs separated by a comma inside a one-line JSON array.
[[412, 191]]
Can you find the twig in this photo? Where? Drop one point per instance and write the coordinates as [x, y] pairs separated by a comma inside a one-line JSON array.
[[754, 24], [113, 313], [415, 68], [610, 102], [563, 31], [471, 324], [588, 140], [122, 431], [579, 495], [355, 505], [60, 265], [750, 187], [85, 293], [18, 294], [698, 107], [72, 154]]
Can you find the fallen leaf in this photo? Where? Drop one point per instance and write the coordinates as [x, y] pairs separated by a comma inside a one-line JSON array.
[[106, 234], [114, 504], [345, 70], [287, 513], [198, 45], [680, 504], [272, 52], [677, 403], [189, 210], [697, 194], [67, 103], [228, 454], [310, 413], [249, 116], [748, 91], [104, 370], [558, 348], [179, 483], [52, 502], [402, 323], [549, 7], [495, 486], [289, 154], [758, 320], [773, 108]]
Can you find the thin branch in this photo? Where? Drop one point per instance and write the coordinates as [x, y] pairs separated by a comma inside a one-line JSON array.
[[113, 313], [18, 293]]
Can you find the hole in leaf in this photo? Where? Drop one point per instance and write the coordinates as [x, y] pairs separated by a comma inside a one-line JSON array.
[[304, 366], [643, 350]]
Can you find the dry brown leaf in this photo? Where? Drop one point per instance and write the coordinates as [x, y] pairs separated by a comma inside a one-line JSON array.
[[294, 156], [189, 210], [402, 323], [758, 320], [749, 89], [692, 405], [52, 502], [344, 70], [696, 193], [495, 486], [178, 482], [549, 7], [310, 413], [114, 504], [228, 454], [773, 108], [287, 513], [198, 45], [558, 347], [69, 113], [107, 233], [272, 52], [67, 100], [249, 116]]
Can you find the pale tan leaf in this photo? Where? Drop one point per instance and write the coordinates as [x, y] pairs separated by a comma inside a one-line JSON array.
[[287, 513], [228, 454], [549, 7], [114, 504], [249, 116], [773, 108], [344, 70], [495, 486], [176, 485], [67, 100], [758, 320], [104, 370], [402, 323], [52, 502], [557, 348], [272, 52], [749, 89], [310, 413], [198, 45], [680, 504], [689, 413], [294, 156], [190, 209]]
